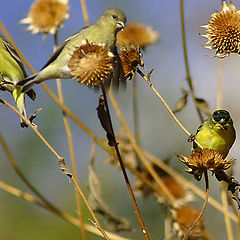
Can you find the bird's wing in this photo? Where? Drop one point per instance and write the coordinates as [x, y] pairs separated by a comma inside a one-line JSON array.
[[11, 50], [60, 48], [55, 54], [31, 93]]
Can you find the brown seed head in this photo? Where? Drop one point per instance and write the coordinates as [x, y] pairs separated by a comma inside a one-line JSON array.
[[46, 15], [205, 159], [223, 31], [131, 57], [91, 64], [137, 34], [186, 216]]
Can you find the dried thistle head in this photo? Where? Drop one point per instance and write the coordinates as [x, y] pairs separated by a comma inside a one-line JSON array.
[[185, 216], [91, 64], [137, 34], [205, 159], [46, 16], [131, 57], [178, 191], [223, 31]]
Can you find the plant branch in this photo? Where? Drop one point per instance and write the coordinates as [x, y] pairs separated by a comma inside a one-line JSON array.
[[144, 230], [71, 148], [202, 210], [188, 78]]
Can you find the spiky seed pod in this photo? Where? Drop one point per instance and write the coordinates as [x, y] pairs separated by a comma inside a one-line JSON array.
[[131, 57], [205, 159], [91, 64], [223, 31]]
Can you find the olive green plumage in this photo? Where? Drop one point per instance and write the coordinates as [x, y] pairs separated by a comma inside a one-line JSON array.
[[217, 133], [103, 31], [11, 72]]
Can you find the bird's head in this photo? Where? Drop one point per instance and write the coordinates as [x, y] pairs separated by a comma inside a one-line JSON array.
[[113, 18], [221, 119]]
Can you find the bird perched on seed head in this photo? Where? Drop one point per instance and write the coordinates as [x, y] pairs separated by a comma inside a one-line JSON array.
[[217, 133], [102, 31], [11, 72]]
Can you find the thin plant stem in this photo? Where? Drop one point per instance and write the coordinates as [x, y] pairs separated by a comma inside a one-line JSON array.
[[144, 229], [136, 117], [166, 193], [85, 12], [59, 159], [67, 172], [33, 127], [226, 211], [28, 197], [167, 107], [188, 78], [219, 87], [74, 221], [187, 184], [22, 176], [135, 111], [203, 207], [71, 148]]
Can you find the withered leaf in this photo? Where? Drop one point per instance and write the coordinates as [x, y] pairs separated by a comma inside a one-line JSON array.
[[202, 105], [181, 103], [104, 120], [111, 220]]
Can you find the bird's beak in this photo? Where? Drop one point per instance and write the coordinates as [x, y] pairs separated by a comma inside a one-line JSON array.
[[121, 25]]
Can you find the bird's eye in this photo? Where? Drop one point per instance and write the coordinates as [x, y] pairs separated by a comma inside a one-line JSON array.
[[114, 16]]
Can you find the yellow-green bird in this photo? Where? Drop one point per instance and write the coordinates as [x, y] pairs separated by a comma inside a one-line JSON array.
[[217, 133], [102, 31], [11, 72]]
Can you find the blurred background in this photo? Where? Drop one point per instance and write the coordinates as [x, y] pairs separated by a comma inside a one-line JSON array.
[[159, 133]]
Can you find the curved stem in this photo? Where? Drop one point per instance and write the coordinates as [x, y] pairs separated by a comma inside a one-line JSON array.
[[203, 207], [188, 78], [33, 127]]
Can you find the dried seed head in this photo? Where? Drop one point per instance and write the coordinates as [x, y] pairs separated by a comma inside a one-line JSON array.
[[137, 34], [131, 57], [205, 159], [46, 16], [185, 217], [223, 31], [91, 64]]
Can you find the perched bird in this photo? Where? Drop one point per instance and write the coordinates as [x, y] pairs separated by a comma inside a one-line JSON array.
[[11, 72], [216, 133], [102, 31]]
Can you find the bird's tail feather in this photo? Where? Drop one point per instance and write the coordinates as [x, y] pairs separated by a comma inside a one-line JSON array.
[[27, 83]]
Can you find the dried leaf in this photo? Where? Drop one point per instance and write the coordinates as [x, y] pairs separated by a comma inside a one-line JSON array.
[[202, 105], [181, 103], [112, 221], [104, 120]]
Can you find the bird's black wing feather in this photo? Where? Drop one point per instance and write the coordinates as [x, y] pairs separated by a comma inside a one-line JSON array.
[[55, 54], [59, 49]]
